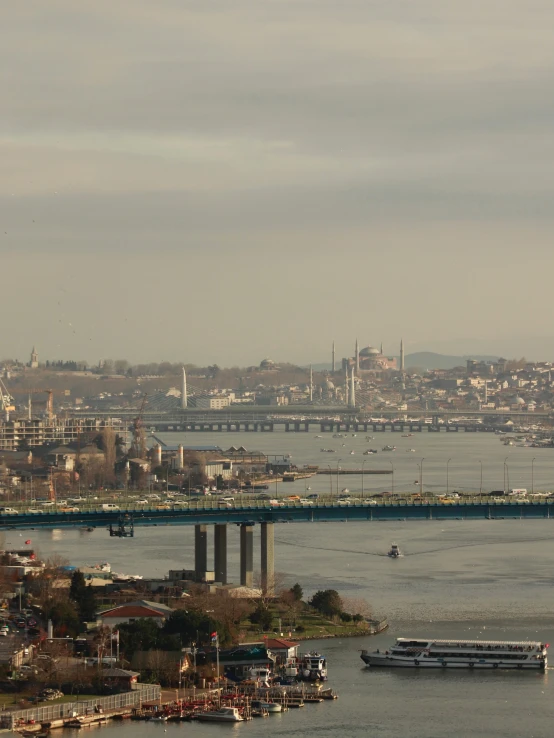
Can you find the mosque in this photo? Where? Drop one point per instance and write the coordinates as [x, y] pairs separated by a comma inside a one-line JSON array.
[[370, 359]]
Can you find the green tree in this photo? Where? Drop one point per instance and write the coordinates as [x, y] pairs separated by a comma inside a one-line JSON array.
[[64, 617], [141, 635], [83, 596], [262, 616], [194, 627], [327, 602], [297, 592]]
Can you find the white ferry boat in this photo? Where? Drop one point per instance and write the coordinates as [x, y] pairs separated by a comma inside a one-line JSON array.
[[462, 654]]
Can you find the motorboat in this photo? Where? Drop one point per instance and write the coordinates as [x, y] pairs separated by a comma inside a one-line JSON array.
[[389, 448], [394, 551], [223, 715], [269, 706]]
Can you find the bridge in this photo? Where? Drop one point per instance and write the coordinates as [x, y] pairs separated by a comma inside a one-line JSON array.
[[306, 418], [255, 512]]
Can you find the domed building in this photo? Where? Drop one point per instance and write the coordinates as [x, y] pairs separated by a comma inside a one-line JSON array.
[[369, 359], [267, 365]]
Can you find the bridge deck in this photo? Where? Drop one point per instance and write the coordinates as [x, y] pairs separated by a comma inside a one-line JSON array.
[[257, 513]]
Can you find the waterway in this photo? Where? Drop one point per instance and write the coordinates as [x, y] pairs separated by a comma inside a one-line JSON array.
[[468, 579]]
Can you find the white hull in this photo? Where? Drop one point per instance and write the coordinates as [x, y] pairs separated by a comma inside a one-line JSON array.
[[435, 664]]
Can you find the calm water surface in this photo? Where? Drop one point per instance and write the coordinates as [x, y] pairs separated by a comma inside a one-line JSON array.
[[468, 579]]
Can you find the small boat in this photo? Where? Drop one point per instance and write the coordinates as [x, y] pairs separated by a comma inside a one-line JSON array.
[[394, 551], [158, 719], [352, 453], [223, 715], [319, 436], [269, 706], [389, 448], [345, 491]]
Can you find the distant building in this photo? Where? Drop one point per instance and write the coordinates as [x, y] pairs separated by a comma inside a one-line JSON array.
[[34, 359], [137, 610], [210, 402]]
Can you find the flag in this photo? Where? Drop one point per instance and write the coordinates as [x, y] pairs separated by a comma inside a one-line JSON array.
[[214, 637]]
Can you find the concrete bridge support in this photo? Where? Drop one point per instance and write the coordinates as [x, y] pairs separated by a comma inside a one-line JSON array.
[[220, 552], [200, 551], [268, 558], [247, 555]]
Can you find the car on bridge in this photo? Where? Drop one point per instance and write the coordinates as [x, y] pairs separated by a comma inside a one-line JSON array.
[[305, 501], [8, 511]]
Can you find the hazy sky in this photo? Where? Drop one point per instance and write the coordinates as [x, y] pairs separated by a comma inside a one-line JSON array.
[[224, 180]]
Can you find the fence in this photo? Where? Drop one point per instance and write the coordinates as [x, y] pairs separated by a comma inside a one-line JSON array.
[[140, 694]]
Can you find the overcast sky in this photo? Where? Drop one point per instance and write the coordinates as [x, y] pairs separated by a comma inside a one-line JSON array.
[[220, 181]]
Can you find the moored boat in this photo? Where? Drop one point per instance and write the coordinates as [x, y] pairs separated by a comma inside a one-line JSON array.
[[462, 654], [394, 551], [268, 706], [223, 715]]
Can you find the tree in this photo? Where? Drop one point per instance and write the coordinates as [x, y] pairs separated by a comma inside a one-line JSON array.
[[140, 635], [327, 602], [297, 593], [194, 626], [64, 617], [262, 616], [83, 597]]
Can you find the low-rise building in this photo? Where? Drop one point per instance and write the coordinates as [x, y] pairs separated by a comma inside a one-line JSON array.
[[129, 612]]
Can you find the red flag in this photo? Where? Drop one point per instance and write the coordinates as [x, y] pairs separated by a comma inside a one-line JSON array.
[[28, 542]]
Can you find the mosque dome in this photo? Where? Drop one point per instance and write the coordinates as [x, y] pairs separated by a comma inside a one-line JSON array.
[[267, 364], [369, 351]]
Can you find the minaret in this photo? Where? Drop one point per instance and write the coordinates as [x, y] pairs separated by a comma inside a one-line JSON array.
[[401, 355], [381, 348], [346, 386], [184, 396], [311, 384], [333, 355], [352, 402], [357, 357], [486, 391]]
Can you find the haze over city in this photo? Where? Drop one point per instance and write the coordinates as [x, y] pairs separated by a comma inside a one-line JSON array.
[[217, 182]]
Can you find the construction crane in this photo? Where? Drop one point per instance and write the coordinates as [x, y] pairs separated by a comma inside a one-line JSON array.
[[6, 401], [138, 445]]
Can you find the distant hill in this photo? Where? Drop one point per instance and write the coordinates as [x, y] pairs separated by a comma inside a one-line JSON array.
[[430, 360]]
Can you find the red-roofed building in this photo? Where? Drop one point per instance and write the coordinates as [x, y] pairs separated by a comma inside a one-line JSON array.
[[282, 648], [137, 610]]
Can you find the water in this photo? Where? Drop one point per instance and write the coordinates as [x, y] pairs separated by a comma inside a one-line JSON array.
[[502, 465], [471, 579]]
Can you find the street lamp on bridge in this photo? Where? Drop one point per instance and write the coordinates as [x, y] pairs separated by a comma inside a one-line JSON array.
[[533, 475], [447, 484]]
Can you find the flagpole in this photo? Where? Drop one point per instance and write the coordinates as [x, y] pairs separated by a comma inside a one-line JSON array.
[[217, 667]]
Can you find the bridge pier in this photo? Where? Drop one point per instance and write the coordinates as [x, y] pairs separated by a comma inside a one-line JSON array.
[[268, 558], [220, 552], [200, 551], [247, 555]]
